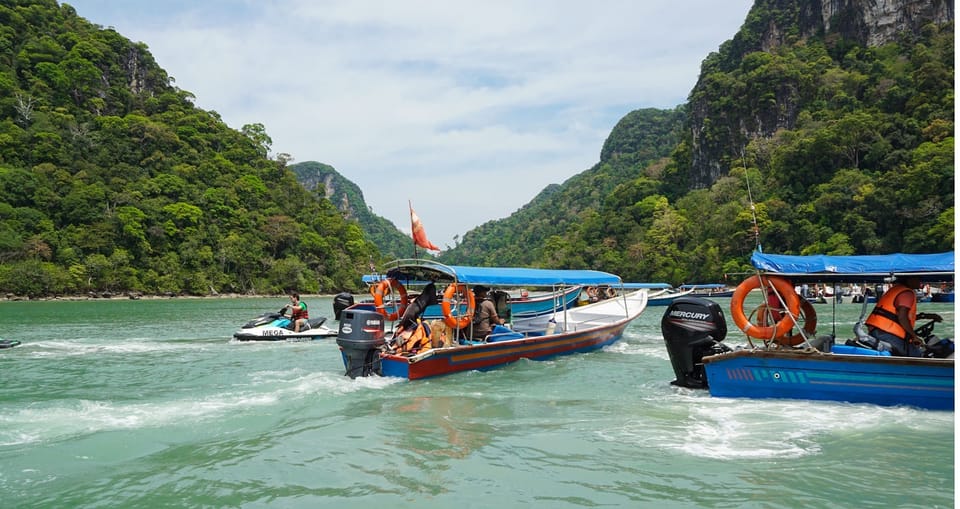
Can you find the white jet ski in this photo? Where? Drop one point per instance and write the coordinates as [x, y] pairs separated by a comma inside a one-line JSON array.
[[277, 327]]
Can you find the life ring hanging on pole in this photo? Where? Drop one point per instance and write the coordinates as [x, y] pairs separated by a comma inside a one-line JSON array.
[[451, 306], [767, 333], [808, 315], [387, 287]]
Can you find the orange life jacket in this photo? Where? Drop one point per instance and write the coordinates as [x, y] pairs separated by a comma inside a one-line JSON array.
[[299, 311], [884, 315], [418, 341]]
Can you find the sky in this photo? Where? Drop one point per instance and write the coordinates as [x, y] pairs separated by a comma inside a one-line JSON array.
[[467, 110]]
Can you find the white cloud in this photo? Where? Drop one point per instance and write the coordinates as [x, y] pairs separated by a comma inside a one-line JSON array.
[[467, 108]]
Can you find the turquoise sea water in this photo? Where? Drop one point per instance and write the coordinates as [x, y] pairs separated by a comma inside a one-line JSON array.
[[148, 404]]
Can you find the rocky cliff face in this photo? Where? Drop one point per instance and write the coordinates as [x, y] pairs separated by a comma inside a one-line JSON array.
[[874, 22], [772, 23]]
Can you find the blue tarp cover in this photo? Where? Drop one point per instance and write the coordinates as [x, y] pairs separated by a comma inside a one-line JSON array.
[[856, 267], [502, 276]]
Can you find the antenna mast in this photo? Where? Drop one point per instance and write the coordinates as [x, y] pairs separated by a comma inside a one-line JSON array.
[[753, 207]]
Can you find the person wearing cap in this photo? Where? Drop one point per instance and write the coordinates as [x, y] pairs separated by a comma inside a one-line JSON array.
[[895, 315], [486, 315]]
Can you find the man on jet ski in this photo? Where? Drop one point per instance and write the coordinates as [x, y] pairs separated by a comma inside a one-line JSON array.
[[298, 312]]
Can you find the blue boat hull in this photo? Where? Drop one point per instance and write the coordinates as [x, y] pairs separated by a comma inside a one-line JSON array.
[[942, 297], [888, 381]]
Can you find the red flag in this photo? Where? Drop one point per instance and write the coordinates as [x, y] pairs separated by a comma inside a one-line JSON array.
[[420, 236]]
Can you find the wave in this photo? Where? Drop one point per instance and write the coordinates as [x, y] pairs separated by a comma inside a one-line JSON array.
[[695, 424], [60, 420]]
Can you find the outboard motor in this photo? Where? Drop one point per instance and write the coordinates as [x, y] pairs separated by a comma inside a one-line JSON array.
[[360, 338], [693, 328], [341, 301]]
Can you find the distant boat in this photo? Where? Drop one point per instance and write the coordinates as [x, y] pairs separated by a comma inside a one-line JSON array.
[[366, 351], [709, 290], [802, 366], [942, 297], [666, 297]]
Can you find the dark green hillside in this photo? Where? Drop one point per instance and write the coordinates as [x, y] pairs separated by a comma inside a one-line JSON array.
[[349, 199], [527, 237], [111, 179], [839, 147]]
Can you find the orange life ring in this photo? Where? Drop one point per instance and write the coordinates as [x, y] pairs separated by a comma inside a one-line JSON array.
[[450, 304], [758, 331], [384, 288], [807, 314]]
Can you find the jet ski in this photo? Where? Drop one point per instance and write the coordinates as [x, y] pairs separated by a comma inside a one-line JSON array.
[[277, 327], [8, 343]]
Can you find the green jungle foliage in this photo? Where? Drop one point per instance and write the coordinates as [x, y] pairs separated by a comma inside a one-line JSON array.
[[349, 199], [866, 167], [112, 180], [530, 235]]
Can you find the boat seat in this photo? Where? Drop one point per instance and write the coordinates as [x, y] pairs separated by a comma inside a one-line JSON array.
[[501, 333], [856, 350]]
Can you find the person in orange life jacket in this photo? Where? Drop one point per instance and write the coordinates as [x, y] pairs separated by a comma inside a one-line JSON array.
[[298, 312], [894, 317], [486, 313]]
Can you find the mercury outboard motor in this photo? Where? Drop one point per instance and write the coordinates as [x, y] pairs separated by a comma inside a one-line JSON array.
[[693, 328], [341, 301], [360, 338]]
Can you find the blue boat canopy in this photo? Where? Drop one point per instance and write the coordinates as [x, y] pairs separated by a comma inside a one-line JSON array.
[[425, 271], [649, 286], [929, 267]]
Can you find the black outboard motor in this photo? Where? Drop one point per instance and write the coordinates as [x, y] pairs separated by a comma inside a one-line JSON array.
[[341, 301], [360, 338], [427, 297], [693, 328]]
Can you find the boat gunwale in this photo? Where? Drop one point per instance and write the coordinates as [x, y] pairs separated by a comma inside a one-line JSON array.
[[829, 357]]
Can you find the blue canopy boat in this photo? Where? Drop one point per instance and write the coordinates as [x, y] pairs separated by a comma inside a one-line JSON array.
[[709, 289], [802, 366], [450, 345]]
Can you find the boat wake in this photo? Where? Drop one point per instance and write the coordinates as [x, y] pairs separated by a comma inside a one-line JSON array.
[[59, 420], [721, 428], [69, 348]]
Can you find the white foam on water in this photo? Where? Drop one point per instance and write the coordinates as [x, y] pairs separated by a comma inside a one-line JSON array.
[[728, 428], [59, 420], [76, 348], [648, 349]]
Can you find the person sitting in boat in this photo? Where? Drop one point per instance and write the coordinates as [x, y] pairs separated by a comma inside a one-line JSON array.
[[592, 295], [298, 312], [895, 315], [486, 315]]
